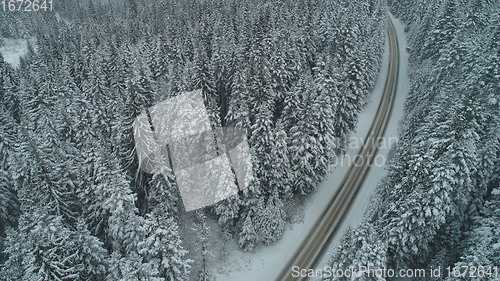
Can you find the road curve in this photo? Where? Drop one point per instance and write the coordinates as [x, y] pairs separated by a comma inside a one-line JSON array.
[[311, 250]]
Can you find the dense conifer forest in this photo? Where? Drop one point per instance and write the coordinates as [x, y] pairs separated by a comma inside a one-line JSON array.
[[293, 75]]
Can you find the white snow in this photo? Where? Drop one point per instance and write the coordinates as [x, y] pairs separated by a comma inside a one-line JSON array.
[[266, 262], [13, 49], [61, 18]]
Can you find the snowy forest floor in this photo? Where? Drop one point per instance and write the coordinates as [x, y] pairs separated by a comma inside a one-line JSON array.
[[229, 262], [13, 49]]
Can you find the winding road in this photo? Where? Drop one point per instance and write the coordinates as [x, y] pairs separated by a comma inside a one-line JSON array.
[[312, 249]]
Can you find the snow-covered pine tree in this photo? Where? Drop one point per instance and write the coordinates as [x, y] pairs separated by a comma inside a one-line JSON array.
[[248, 238], [9, 205], [131, 268], [304, 147], [443, 30], [92, 256], [268, 146], [139, 97], [42, 248], [162, 194], [239, 109], [270, 222], [162, 248], [481, 243], [9, 208], [204, 80], [114, 197], [323, 109], [9, 89], [228, 210], [203, 233]]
